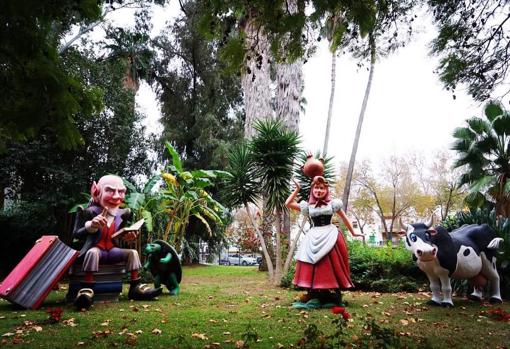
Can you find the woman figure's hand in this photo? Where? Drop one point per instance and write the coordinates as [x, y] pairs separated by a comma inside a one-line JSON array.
[[298, 186]]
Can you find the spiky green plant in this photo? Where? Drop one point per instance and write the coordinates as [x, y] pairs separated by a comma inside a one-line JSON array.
[[274, 150], [243, 187]]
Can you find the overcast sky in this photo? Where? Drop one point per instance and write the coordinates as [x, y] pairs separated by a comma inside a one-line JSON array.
[[408, 110]]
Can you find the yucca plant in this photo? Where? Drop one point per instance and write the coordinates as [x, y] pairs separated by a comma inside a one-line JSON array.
[[483, 147], [262, 169], [273, 151]]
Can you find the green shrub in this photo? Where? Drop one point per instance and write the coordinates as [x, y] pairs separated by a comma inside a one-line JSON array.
[[384, 269], [380, 269], [287, 278]]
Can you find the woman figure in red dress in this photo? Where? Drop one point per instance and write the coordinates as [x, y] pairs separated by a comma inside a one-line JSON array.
[[322, 259]]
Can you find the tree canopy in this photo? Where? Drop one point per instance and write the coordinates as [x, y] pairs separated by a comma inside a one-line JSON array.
[[36, 92], [201, 104], [473, 44]]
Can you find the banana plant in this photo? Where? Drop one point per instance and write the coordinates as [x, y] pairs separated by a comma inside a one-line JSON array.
[[184, 195], [143, 203]]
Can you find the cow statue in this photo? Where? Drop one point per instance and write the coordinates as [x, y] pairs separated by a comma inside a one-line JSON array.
[[468, 252]]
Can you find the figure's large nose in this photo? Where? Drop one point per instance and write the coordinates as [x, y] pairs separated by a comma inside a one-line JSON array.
[[429, 253]]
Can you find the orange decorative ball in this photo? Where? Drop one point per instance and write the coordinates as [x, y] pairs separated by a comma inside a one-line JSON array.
[[313, 167]]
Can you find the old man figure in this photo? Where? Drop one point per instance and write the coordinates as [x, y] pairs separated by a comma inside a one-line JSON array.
[[96, 224]]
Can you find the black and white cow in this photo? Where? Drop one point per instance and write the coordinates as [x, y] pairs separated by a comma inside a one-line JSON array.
[[466, 253]]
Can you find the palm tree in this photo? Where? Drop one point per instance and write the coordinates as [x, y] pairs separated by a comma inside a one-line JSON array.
[[131, 48], [334, 29], [484, 155], [352, 160], [381, 27]]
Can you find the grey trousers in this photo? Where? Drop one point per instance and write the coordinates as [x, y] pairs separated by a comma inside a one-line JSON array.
[[95, 255]]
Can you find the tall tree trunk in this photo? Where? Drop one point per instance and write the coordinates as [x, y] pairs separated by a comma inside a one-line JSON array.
[[255, 78], [278, 250], [331, 99], [352, 160], [289, 78], [256, 86], [263, 245], [290, 82], [266, 227]]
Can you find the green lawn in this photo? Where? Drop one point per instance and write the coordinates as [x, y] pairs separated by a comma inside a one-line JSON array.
[[220, 305]]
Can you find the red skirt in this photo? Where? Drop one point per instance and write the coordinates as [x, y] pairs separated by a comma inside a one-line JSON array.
[[331, 272]]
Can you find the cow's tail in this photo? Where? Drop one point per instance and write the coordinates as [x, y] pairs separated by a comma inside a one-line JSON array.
[[494, 244]]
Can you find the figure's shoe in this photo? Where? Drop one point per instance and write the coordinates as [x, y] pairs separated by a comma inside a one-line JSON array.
[[84, 298], [495, 300], [175, 291], [142, 292]]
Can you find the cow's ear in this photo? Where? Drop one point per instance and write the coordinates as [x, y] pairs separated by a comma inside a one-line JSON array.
[[432, 231]]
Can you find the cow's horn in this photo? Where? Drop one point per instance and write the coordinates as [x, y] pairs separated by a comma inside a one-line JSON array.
[[430, 222], [402, 224]]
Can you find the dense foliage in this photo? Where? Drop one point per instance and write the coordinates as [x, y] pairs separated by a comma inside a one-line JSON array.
[[50, 180], [36, 91], [201, 104], [483, 155]]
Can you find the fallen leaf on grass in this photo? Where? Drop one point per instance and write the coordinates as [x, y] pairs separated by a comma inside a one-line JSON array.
[[226, 333], [37, 328], [106, 323], [213, 321], [156, 331], [199, 336], [8, 334], [17, 340], [102, 334], [404, 322], [69, 322], [239, 344], [139, 332], [131, 339], [81, 343]]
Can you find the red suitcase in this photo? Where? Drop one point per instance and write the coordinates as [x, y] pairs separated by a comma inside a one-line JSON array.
[[32, 279]]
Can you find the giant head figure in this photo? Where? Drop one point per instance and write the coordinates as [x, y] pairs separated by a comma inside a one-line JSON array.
[[109, 192]]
